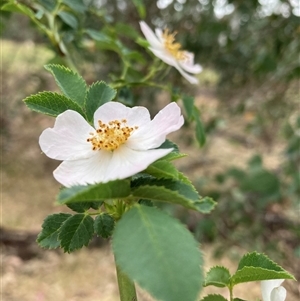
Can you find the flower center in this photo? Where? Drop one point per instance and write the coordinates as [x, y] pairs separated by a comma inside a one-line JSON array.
[[110, 136], [173, 47]]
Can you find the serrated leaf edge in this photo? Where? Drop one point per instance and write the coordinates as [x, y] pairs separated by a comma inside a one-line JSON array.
[[212, 295], [43, 247], [220, 267], [48, 68], [87, 243], [79, 110]]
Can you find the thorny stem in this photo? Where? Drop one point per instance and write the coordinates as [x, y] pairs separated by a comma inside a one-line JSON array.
[[126, 286]]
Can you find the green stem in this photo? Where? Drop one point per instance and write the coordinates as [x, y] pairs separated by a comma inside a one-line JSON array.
[[126, 287], [231, 293]]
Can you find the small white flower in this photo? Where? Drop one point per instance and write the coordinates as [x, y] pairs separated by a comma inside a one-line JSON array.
[[163, 45], [272, 290], [122, 142]]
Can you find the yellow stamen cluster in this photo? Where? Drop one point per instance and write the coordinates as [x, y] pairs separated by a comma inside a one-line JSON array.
[[173, 47], [110, 136]]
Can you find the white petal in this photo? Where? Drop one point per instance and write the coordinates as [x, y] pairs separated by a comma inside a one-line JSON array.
[[150, 36], [188, 64], [154, 133], [165, 56], [106, 166], [278, 294], [135, 116], [84, 171], [192, 79], [170, 60], [67, 139], [267, 286], [126, 162], [159, 34]]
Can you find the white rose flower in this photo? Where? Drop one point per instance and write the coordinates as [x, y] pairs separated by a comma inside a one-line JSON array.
[[122, 142], [163, 45]]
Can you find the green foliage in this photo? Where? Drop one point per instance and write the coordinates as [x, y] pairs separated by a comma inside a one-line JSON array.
[[243, 196], [97, 94], [252, 267], [48, 238], [76, 232], [218, 276], [112, 190], [214, 297], [76, 5], [104, 225], [162, 169], [52, 104], [200, 133], [255, 267], [160, 254], [82, 207], [188, 103], [172, 191], [70, 83]]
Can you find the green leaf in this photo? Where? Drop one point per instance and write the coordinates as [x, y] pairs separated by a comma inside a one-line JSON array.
[[206, 205], [48, 238], [124, 29], [69, 82], [218, 276], [103, 41], [97, 94], [76, 5], [48, 4], [104, 225], [69, 19], [214, 297], [162, 169], [159, 253], [76, 232], [261, 181], [256, 267], [175, 154], [188, 103], [139, 4], [82, 207], [168, 190], [18, 8], [200, 133], [50, 103], [111, 190]]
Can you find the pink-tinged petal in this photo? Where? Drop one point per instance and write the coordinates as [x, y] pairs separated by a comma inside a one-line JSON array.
[[135, 116], [278, 294], [67, 140], [150, 36], [154, 133], [165, 56], [126, 162], [84, 171], [267, 286]]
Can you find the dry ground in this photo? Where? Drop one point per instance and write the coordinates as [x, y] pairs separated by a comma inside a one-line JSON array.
[[28, 190]]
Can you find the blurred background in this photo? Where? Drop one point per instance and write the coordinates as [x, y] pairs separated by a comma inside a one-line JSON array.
[[249, 101]]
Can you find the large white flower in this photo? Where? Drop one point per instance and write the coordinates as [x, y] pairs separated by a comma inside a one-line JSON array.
[[163, 45], [122, 142], [272, 290]]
